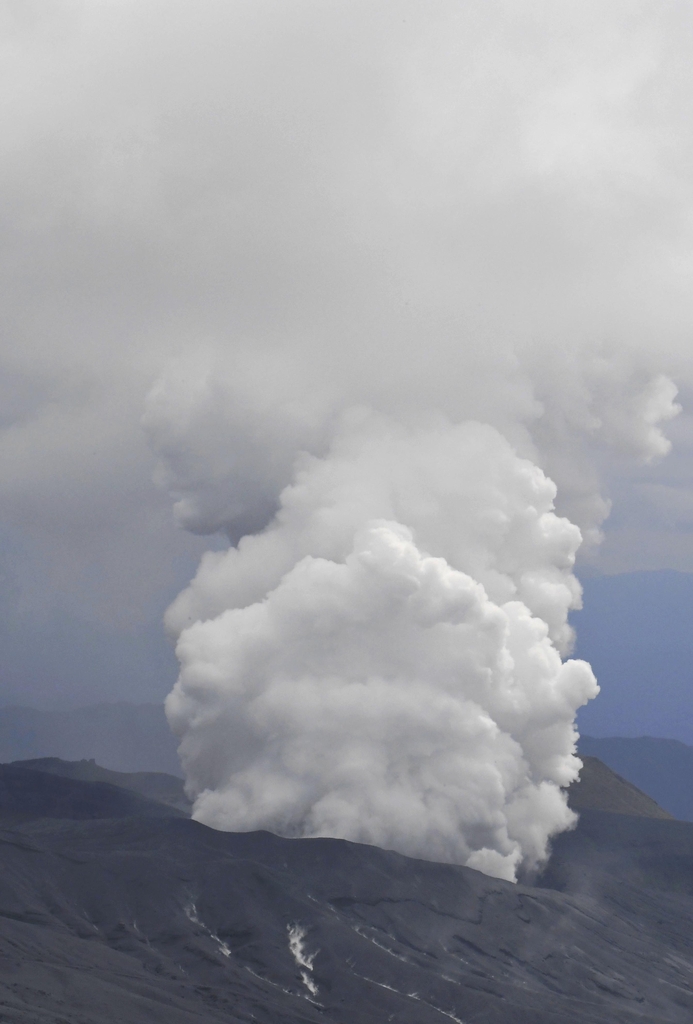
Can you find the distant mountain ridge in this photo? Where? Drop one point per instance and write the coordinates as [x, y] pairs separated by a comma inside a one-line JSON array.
[[662, 768], [598, 789], [27, 794], [158, 786], [135, 738], [123, 737], [601, 789]]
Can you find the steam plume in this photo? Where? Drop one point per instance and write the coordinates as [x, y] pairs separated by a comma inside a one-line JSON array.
[[382, 662], [404, 431]]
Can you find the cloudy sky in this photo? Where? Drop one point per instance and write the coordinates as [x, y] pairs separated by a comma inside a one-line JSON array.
[[223, 223]]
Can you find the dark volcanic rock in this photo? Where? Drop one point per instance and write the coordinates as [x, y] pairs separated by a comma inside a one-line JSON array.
[[140, 920]]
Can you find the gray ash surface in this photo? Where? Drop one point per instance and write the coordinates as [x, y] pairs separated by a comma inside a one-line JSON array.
[[144, 919]]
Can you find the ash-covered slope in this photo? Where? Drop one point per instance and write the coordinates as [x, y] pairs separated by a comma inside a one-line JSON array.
[[138, 920], [626, 857]]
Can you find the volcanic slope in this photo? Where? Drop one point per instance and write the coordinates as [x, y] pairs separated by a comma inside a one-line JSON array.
[[663, 768], [601, 789], [26, 794], [159, 786], [162, 919]]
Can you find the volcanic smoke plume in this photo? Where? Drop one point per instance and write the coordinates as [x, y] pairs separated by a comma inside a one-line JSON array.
[[382, 662], [401, 414]]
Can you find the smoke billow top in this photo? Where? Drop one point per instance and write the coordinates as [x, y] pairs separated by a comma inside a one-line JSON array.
[[405, 447]]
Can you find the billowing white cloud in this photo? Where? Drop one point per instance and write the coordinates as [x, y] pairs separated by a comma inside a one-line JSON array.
[[346, 195], [325, 240], [378, 664]]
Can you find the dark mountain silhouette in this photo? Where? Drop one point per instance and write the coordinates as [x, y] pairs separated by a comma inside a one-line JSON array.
[[598, 788], [26, 794], [166, 789], [661, 768], [143, 918], [601, 789], [136, 739]]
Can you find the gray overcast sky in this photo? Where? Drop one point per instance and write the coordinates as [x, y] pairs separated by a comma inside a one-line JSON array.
[[266, 211]]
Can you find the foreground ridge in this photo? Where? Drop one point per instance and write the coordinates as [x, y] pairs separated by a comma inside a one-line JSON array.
[[145, 919]]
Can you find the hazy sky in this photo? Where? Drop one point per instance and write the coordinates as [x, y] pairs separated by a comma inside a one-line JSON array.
[[259, 212]]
